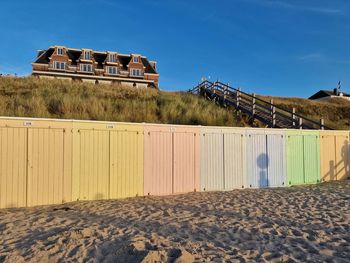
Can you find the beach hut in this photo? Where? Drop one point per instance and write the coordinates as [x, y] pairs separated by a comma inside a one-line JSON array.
[[35, 162], [303, 157], [265, 158], [108, 160], [222, 158], [335, 157], [171, 159]]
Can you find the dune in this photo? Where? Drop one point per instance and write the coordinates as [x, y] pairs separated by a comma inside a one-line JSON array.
[[297, 224]]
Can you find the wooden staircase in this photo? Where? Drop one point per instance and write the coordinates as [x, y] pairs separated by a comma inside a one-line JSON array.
[[264, 111]]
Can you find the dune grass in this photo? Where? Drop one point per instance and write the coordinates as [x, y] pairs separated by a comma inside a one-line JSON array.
[[40, 98], [32, 97], [335, 111]]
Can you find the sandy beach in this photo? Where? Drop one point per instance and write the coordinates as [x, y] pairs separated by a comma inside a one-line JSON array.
[[298, 224]]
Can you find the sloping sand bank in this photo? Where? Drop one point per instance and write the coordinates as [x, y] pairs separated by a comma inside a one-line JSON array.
[[307, 223]]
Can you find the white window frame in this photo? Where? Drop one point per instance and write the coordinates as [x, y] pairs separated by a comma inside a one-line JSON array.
[[112, 57], [136, 72], [135, 59], [85, 52], [112, 70], [88, 66], [59, 65], [60, 51]]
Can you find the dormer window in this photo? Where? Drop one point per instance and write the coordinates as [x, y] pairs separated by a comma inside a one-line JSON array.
[[135, 59], [87, 55], [59, 51], [112, 58]]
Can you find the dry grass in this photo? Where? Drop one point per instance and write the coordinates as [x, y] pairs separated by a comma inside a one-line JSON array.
[[335, 112], [32, 97]]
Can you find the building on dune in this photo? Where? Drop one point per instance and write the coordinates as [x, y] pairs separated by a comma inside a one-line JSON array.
[[329, 94], [93, 66]]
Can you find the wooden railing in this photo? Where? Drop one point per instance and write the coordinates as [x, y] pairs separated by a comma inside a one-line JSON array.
[[265, 111]]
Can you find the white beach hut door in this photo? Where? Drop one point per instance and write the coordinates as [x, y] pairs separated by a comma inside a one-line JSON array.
[[212, 165], [257, 161], [234, 161], [277, 176]]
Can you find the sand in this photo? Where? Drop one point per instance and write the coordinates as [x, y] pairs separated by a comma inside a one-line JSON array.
[[298, 224]]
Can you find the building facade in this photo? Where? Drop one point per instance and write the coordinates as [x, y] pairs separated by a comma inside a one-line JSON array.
[[88, 65]]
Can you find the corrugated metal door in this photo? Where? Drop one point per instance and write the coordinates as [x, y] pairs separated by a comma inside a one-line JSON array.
[[234, 154], [328, 157], [277, 176], [126, 164], [311, 158], [13, 167], [342, 156], [212, 161], [45, 166], [295, 159], [185, 162], [257, 161], [158, 158], [93, 158]]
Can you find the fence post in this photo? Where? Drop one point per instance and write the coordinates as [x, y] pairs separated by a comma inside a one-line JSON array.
[[301, 123], [273, 113], [293, 117], [271, 107], [271, 110], [253, 105], [225, 92], [217, 87], [238, 95], [322, 124]]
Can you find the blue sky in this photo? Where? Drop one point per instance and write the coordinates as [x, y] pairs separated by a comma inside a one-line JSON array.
[[272, 47]]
